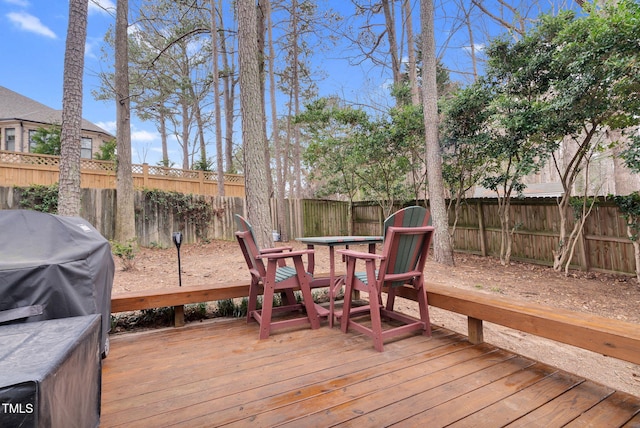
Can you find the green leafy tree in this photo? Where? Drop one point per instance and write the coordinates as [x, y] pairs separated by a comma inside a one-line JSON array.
[[567, 80], [407, 130], [384, 164], [631, 155], [47, 141], [333, 132], [465, 137], [596, 77], [203, 165], [331, 154], [169, 81], [107, 151], [518, 82], [352, 155]]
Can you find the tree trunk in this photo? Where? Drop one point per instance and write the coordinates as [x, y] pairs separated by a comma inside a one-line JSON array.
[[297, 156], [184, 104], [163, 137], [216, 99], [506, 256], [229, 95], [125, 215], [442, 250], [200, 124], [472, 43], [580, 161], [390, 22], [413, 70], [261, 31], [636, 252], [558, 255], [275, 136], [71, 129], [252, 118]]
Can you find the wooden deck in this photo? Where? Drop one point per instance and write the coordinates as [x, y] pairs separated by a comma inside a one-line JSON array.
[[218, 373]]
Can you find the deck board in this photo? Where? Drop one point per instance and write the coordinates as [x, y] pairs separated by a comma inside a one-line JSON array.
[[217, 373]]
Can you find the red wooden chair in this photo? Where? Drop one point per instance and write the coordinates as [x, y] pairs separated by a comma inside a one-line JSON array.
[[401, 262], [275, 277]]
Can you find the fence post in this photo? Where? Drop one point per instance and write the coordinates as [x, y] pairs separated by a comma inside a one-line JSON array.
[[201, 182], [145, 175], [482, 237]]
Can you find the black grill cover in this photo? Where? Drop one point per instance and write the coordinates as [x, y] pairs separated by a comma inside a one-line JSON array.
[[59, 266], [50, 373]]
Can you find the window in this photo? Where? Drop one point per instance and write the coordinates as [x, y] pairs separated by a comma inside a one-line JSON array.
[[10, 139], [32, 142], [86, 151]]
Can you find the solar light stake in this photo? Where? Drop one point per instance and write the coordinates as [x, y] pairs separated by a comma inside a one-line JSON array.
[[177, 239]]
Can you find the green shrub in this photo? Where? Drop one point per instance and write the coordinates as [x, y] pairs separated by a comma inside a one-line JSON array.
[[228, 308], [126, 252], [39, 197]]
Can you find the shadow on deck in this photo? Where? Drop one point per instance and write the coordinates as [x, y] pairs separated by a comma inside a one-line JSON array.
[[217, 373]]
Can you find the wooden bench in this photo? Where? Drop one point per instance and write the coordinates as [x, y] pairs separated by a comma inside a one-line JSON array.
[[613, 338], [176, 298]]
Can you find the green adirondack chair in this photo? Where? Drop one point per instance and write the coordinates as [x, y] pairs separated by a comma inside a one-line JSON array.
[[275, 277], [407, 239]]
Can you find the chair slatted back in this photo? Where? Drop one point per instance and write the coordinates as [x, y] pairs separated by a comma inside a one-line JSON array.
[[415, 216], [408, 217], [244, 226], [250, 250], [406, 250]]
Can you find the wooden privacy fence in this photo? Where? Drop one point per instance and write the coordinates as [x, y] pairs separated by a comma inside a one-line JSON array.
[[25, 169], [603, 247], [155, 223]]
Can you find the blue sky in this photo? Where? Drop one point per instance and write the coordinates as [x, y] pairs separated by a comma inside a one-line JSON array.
[[32, 43]]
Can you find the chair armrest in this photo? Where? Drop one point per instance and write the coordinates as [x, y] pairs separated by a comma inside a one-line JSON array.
[[275, 250], [361, 255], [290, 254]]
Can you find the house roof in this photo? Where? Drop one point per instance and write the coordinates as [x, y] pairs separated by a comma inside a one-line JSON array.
[[14, 106], [534, 190]]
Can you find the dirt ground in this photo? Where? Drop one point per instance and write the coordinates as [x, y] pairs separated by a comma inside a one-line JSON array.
[[606, 295]]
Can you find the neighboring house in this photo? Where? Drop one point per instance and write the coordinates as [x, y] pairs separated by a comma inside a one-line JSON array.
[[20, 118], [604, 174]]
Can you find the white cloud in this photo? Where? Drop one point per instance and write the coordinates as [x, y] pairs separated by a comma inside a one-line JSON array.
[[106, 7], [387, 84], [21, 3], [143, 136], [478, 47], [30, 23], [110, 127], [137, 135], [89, 50]]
